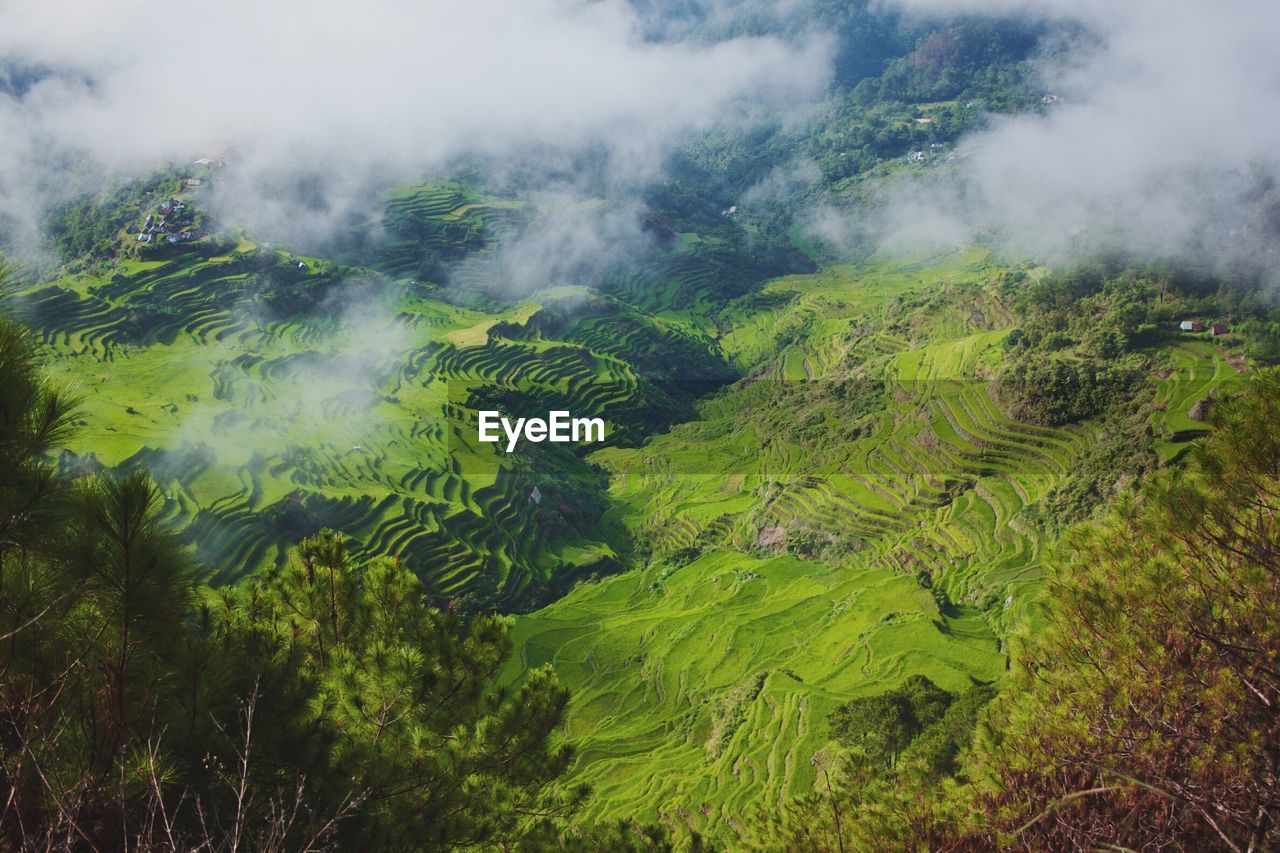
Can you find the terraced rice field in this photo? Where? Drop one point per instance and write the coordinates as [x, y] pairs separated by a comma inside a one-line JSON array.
[[430, 222], [264, 423], [264, 430], [1196, 372], [702, 692], [273, 395], [699, 690]]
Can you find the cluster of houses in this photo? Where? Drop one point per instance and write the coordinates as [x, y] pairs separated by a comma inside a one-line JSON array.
[[1196, 326], [919, 156], [168, 223], [172, 221]]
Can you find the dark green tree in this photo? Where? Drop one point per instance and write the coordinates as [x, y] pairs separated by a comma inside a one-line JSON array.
[[34, 419], [326, 704], [1148, 714]]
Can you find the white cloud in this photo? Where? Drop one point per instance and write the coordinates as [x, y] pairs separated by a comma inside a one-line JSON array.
[[391, 85], [1168, 128]]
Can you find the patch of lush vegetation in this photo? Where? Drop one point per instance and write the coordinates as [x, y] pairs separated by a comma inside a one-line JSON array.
[[869, 441], [323, 705], [276, 395], [899, 86], [807, 558], [88, 229], [1142, 716], [849, 449]]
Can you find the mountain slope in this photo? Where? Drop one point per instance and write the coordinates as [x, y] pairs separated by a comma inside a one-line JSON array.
[[859, 511]]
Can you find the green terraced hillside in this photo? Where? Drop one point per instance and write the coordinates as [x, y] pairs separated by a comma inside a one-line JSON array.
[[431, 224], [702, 692], [868, 442], [264, 429], [857, 507], [274, 395]]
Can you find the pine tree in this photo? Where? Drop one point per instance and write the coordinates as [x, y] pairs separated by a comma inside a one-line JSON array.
[[404, 697], [1148, 714], [324, 704]]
